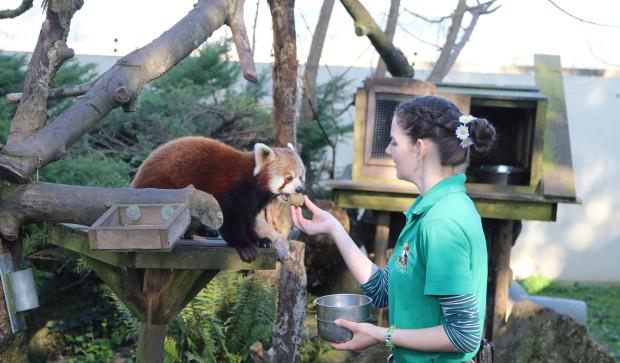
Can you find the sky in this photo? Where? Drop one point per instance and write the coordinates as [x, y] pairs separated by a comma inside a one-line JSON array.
[[509, 36]]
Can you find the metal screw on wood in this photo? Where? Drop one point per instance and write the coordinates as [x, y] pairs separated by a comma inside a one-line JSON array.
[[133, 213], [166, 212]]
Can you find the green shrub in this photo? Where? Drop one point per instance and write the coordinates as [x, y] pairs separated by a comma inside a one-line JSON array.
[[87, 170]]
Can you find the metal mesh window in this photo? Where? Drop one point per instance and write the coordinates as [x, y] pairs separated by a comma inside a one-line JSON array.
[[385, 105]]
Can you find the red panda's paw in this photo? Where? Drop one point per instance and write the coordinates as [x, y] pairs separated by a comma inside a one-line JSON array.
[[247, 253], [263, 242]]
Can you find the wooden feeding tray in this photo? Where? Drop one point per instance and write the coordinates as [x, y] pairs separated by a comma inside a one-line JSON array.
[[139, 227]]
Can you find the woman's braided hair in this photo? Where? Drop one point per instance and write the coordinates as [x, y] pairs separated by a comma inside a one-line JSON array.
[[435, 118]]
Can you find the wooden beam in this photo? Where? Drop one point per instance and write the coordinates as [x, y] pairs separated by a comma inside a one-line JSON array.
[[381, 237], [151, 343], [503, 274], [502, 209], [168, 291], [558, 177], [123, 283]]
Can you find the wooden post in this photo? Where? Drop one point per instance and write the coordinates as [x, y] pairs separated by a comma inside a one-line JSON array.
[[151, 343], [501, 255], [288, 333], [382, 234]]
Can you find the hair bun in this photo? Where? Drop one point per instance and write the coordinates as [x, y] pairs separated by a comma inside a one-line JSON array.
[[483, 134]]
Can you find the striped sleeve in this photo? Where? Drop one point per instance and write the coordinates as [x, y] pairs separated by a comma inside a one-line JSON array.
[[377, 287], [462, 321]]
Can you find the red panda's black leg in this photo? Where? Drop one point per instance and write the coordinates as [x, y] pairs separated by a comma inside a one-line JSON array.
[[235, 234], [240, 206]]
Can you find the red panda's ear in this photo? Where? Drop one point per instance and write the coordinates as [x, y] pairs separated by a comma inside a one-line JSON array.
[[263, 155], [290, 146]]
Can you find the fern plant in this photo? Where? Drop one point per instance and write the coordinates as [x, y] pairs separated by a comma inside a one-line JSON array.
[[221, 323]]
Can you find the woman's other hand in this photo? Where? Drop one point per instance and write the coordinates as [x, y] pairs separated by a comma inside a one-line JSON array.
[[321, 222], [364, 335]]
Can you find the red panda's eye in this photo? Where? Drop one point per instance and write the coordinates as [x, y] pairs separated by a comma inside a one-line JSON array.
[[289, 179]]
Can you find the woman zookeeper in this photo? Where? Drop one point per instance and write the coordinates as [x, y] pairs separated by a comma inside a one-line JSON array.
[[435, 282]]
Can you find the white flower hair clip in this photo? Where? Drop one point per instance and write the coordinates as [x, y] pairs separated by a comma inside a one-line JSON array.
[[465, 119], [466, 143], [462, 132]]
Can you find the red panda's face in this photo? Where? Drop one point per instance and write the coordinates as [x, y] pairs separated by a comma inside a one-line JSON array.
[[282, 171]]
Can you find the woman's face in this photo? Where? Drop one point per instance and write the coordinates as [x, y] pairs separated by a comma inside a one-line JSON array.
[[403, 152]]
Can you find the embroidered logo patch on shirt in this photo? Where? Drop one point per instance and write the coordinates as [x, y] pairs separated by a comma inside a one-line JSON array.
[[403, 258]]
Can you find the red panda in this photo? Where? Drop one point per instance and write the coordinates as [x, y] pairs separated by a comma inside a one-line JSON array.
[[242, 182]]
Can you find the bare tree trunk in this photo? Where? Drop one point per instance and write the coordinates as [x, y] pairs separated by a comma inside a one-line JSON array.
[[287, 337], [395, 60], [284, 71], [390, 29], [441, 66], [49, 54], [312, 64]]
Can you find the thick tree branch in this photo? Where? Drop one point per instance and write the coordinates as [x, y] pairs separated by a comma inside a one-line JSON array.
[[395, 60], [240, 37], [441, 66], [13, 13], [390, 30], [120, 85], [55, 93], [451, 50], [284, 71], [39, 202], [461, 44], [49, 54], [312, 64]]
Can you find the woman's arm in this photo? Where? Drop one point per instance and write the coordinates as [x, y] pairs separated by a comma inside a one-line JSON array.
[[460, 333], [323, 222], [432, 339], [377, 287]]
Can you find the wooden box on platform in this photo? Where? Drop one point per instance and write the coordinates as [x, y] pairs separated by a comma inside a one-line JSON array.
[[139, 227]]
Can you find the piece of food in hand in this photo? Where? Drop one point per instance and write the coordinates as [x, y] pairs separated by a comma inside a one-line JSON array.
[[296, 199]]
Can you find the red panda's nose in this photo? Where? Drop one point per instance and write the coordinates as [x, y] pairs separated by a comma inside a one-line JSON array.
[[298, 189]]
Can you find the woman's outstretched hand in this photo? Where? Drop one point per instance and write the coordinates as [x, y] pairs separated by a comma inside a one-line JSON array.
[[363, 335], [321, 222]]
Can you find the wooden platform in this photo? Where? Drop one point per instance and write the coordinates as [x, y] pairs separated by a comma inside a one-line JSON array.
[[502, 202], [207, 254]]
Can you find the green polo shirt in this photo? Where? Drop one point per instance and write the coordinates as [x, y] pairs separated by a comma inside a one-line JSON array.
[[440, 251]]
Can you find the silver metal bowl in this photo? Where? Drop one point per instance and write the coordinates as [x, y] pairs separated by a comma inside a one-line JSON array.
[[352, 307], [331, 332], [498, 174]]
